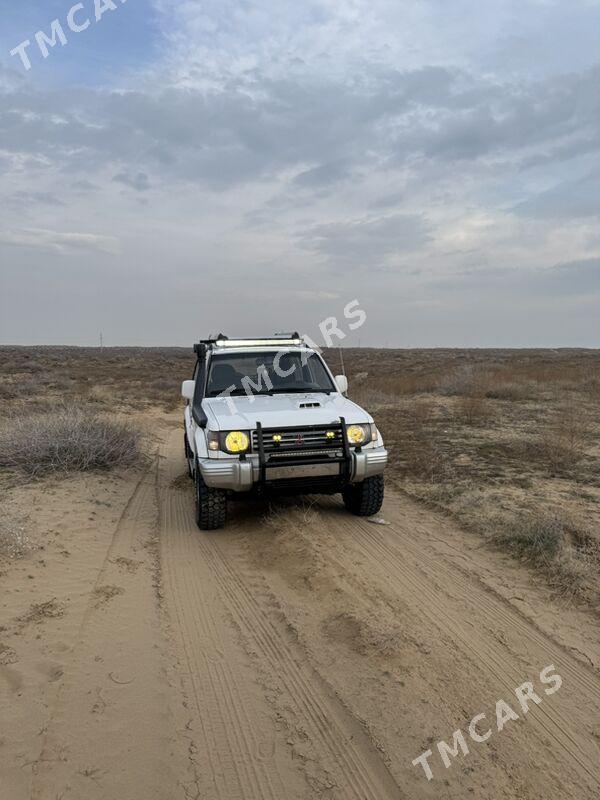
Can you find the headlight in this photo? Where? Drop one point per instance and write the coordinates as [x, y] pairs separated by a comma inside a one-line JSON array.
[[358, 434], [237, 442]]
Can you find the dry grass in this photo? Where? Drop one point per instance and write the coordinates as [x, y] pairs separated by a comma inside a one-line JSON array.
[[115, 379], [538, 540], [548, 544], [13, 540], [497, 438], [473, 409], [564, 439], [507, 442], [67, 439]]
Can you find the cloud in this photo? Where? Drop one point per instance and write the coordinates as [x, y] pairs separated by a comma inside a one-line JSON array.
[[22, 199], [324, 129], [368, 242], [398, 142], [139, 182], [84, 186], [62, 243], [323, 175], [575, 198], [569, 279], [10, 79]]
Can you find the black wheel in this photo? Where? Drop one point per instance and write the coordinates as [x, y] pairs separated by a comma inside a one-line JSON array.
[[189, 456], [211, 505], [366, 498]]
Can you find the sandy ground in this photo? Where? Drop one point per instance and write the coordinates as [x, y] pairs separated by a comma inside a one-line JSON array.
[[310, 655]]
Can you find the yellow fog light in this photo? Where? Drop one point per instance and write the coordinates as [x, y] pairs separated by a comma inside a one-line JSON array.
[[356, 434], [237, 442]]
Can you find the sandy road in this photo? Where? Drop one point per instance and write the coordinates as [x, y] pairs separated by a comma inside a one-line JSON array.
[[368, 643], [300, 653], [232, 646]]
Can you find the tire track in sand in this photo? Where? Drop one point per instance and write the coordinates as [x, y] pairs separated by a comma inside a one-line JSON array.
[[111, 732], [463, 609], [241, 754]]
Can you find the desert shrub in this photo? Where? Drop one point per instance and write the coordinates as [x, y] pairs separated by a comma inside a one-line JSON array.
[[9, 391], [535, 539], [67, 438], [163, 385], [498, 388], [463, 380], [414, 440], [420, 411], [564, 440], [591, 385], [163, 390], [378, 390], [368, 397], [423, 459], [473, 409], [544, 542]]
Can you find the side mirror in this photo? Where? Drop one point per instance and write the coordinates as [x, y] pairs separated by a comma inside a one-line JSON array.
[[341, 383], [187, 389]]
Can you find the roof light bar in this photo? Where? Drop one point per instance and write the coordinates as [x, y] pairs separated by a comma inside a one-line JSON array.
[[277, 342]]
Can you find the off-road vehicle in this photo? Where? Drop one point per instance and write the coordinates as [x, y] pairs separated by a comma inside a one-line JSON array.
[[267, 415]]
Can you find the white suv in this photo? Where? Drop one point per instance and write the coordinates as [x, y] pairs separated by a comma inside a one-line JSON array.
[[267, 415]]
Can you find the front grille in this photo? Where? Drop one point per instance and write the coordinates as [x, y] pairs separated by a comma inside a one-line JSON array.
[[306, 440]]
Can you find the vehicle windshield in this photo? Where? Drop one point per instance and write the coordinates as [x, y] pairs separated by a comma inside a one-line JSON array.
[[278, 372]]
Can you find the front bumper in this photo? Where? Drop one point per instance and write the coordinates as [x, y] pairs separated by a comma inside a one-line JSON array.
[[243, 475]]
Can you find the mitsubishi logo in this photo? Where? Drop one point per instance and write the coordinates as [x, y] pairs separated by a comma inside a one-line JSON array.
[[299, 440]]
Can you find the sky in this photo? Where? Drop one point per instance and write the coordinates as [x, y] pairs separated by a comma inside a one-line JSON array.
[[180, 168]]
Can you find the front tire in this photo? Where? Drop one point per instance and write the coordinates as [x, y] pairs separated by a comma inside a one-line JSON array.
[[211, 505], [366, 498]]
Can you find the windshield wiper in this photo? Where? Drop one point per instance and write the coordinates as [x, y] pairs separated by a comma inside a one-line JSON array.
[[270, 392], [226, 393], [289, 390]]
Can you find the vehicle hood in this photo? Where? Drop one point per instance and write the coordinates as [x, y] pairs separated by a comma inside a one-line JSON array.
[[280, 411]]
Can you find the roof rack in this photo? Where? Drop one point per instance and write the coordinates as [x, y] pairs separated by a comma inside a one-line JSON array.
[[223, 342]]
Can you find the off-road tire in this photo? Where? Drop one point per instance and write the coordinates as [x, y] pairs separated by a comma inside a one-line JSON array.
[[211, 505], [188, 456], [366, 498]]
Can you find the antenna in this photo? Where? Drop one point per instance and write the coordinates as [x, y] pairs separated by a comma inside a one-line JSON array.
[[342, 361], [101, 341]]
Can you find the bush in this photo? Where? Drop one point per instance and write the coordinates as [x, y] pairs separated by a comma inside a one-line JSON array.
[[473, 409], [414, 440], [464, 380], [65, 439], [544, 542], [564, 440], [537, 540], [498, 389]]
